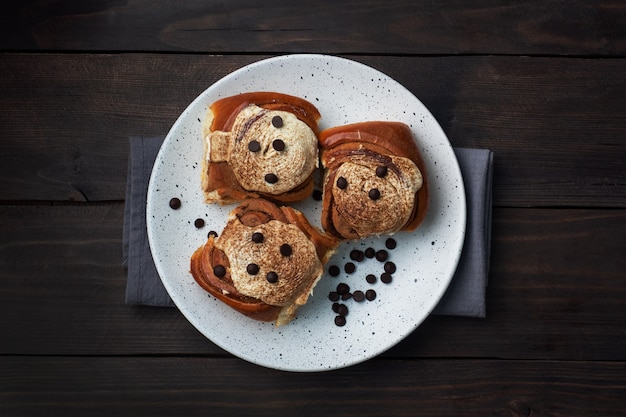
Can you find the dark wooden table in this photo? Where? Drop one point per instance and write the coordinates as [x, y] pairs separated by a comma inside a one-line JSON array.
[[543, 84]]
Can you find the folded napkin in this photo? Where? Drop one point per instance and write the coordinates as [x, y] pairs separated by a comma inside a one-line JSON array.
[[465, 295]]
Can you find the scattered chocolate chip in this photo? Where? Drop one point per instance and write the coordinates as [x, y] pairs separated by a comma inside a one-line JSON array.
[[257, 237], [219, 271], [199, 223], [374, 194], [370, 278], [277, 122], [333, 296], [278, 145], [370, 253], [390, 243], [335, 307], [333, 270], [212, 233], [340, 321], [285, 249], [346, 296], [358, 296], [390, 267], [385, 277], [271, 277], [370, 295], [254, 146], [381, 171], [357, 255], [349, 268], [271, 178], [317, 195], [252, 269], [342, 310], [175, 203], [342, 183], [382, 255], [343, 288]]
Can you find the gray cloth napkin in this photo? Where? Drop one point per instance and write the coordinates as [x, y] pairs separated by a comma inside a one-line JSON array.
[[465, 295]]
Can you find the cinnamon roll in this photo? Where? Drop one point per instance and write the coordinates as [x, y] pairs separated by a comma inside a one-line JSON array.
[[265, 262], [260, 144], [375, 181]]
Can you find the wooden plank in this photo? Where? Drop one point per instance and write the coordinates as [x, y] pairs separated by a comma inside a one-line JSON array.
[[67, 118], [575, 27], [175, 386], [556, 290]]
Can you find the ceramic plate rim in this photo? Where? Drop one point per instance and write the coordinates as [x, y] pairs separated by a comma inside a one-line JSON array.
[[190, 309]]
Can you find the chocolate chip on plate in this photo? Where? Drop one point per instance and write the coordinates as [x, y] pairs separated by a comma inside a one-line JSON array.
[[390, 243], [382, 255], [175, 203]]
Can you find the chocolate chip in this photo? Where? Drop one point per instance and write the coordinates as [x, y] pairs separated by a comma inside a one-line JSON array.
[[278, 145], [333, 270], [340, 321], [199, 223], [386, 277], [212, 233], [346, 296], [271, 178], [370, 253], [254, 146], [252, 269], [342, 183], [285, 249], [343, 288], [175, 203], [219, 271], [271, 277], [371, 278], [335, 307], [381, 171], [317, 195], [333, 296], [382, 255], [370, 295], [358, 296], [357, 255], [342, 310], [390, 267], [349, 268], [257, 237], [374, 194], [277, 122], [390, 243]]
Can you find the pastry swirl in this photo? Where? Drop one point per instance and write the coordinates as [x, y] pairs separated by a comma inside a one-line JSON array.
[[375, 180], [265, 262], [260, 145]]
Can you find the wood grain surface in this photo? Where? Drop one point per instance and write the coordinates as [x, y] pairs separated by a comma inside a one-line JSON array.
[[541, 83]]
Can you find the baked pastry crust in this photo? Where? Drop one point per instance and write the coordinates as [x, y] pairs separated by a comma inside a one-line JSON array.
[[260, 144], [260, 239], [375, 181]]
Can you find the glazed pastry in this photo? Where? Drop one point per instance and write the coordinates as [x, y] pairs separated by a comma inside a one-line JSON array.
[[375, 181], [260, 144], [265, 262]]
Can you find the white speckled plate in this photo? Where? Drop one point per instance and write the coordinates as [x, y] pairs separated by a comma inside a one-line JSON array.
[[344, 91]]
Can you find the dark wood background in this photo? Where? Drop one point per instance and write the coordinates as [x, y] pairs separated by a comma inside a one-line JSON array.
[[542, 84]]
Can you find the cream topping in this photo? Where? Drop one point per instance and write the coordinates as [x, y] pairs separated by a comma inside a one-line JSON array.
[[291, 164], [296, 272], [392, 209]]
